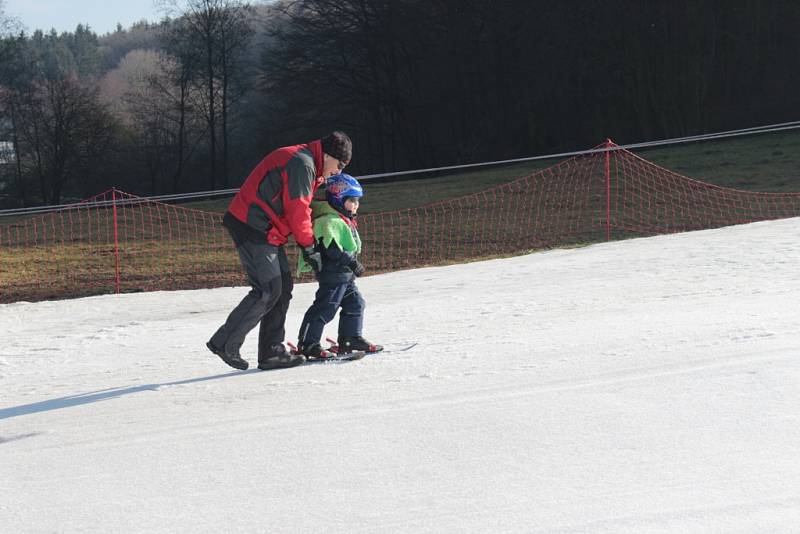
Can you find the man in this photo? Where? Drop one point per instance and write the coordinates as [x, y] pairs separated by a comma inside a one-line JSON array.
[[272, 204]]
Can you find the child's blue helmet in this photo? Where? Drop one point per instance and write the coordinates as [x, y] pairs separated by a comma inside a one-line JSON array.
[[340, 187]]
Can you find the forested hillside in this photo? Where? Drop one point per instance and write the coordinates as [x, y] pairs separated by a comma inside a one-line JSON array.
[[193, 101]]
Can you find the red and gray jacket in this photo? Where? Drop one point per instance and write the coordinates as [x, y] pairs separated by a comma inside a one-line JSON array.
[[275, 198]]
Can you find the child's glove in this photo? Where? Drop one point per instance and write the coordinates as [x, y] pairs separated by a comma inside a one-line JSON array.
[[357, 267], [313, 258]]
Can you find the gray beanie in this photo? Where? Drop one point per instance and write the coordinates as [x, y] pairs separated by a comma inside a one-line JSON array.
[[338, 145]]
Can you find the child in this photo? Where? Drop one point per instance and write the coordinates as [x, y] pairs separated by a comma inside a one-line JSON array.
[[338, 242]]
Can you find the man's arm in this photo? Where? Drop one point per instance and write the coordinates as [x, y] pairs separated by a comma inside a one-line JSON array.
[[297, 196]]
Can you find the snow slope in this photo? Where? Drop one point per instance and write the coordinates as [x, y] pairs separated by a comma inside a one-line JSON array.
[[650, 385]]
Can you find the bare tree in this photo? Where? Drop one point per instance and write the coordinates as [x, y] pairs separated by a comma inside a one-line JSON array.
[[8, 24], [210, 38], [64, 129], [234, 37], [180, 70], [60, 129], [16, 67], [129, 92]]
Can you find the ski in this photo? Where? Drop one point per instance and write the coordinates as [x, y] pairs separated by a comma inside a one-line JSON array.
[[334, 357], [329, 356], [334, 347], [401, 348]]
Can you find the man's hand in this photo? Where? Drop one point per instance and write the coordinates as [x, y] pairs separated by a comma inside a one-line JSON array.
[[357, 267], [313, 258]]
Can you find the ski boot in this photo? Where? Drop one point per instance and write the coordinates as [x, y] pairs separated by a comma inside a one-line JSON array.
[[312, 350], [346, 344], [280, 359], [234, 360]]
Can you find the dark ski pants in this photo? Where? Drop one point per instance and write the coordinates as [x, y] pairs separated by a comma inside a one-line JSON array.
[[270, 276], [331, 297]]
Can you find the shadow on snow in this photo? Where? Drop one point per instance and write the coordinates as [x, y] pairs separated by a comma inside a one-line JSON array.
[[103, 394]]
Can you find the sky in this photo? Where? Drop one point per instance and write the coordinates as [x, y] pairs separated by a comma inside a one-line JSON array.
[[64, 15], [648, 385]]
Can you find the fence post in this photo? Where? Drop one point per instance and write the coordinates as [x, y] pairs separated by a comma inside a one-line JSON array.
[[608, 189], [116, 239]]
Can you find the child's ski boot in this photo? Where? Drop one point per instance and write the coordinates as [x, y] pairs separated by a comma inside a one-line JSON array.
[[347, 344], [312, 350]]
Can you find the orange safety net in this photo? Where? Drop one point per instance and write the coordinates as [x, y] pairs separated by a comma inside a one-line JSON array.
[[116, 242]]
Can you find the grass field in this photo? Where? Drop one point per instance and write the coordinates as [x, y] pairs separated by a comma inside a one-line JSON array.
[[765, 162]]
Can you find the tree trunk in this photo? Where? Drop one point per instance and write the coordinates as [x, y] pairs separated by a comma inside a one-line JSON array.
[[225, 119], [177, 175], [18, 157], [212, 124]]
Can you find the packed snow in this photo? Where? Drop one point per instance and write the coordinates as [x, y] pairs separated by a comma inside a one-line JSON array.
[[649, 385]]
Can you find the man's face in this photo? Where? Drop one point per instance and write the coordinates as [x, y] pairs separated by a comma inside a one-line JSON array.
[[331, 166]]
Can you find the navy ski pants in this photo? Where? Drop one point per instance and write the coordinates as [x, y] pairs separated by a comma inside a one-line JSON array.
[[331, 297]]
